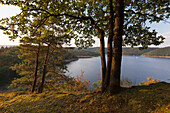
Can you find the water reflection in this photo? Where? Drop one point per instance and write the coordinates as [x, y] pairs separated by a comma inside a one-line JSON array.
[[136, 69]]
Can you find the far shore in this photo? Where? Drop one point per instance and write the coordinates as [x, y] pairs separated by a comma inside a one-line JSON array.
[[74, 59], [149, 56], [70, 60], [85, 56], [156, 56]]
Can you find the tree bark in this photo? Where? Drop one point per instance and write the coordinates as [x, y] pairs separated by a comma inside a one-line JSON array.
[[36, 69], [102, 55], [40, 89], [117, 50], [109, 49]]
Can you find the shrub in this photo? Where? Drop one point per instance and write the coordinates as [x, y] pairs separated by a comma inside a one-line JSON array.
[[150, 81]]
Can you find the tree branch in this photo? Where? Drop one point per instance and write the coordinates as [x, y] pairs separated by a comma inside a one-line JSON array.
[[72, 16]]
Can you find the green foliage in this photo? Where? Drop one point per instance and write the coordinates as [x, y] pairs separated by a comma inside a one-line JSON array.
[[78, 20], [26, 68], [97, 85]]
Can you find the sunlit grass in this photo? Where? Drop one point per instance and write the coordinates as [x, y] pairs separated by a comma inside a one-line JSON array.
[[153, 98]]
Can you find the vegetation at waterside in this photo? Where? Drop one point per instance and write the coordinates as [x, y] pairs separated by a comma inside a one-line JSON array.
[[153, 98], [9, 57]]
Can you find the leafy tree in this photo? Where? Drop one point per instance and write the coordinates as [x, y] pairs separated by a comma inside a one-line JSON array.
[[32, 71], [44, 48], [82, 19]]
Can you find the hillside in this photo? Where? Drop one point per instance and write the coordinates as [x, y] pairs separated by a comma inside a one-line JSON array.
[[125, 51], [150, 52], [161, 52], [83, 52], [154, 98], [94, 49], [135, 51]]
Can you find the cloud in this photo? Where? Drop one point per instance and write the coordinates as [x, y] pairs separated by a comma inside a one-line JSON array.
[[166, 33]]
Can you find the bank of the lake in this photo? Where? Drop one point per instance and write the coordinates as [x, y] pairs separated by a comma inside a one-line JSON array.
[[156, 56], [66, 61]]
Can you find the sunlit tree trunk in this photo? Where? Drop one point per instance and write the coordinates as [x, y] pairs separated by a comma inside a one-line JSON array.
[[109, 49], [36, 69], [102, 55], [40, 89], [117, 48]]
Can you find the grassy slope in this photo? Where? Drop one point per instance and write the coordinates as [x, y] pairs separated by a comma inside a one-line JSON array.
[[139, 99]]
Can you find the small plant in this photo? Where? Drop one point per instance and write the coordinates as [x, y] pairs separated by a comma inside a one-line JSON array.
[[97, 85], [125, 82], [150, 81], [81, 85], [75, 85]]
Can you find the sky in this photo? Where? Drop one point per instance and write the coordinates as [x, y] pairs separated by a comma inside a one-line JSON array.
[[162, 28]]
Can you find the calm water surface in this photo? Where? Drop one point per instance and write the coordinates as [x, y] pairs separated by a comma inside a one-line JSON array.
[[134, 68]]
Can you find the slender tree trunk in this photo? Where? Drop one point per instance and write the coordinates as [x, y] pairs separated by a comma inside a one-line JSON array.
[[102, 55], [36, 69], [109, 49], [40, 89], [117, 50]]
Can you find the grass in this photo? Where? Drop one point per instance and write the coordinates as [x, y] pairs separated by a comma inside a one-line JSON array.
[[153, 98]]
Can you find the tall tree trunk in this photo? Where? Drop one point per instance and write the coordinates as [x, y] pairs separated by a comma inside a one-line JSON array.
[[40, 89], [102, 55], [109, 49], [117, 50], [36, 69]]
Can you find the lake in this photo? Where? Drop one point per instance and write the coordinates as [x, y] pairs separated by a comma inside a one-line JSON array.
[[134, 68]]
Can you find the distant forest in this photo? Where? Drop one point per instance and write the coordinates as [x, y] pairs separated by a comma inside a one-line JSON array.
[[137, 52]]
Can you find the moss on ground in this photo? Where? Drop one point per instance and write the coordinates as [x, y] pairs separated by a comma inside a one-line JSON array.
[[154, 98]]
